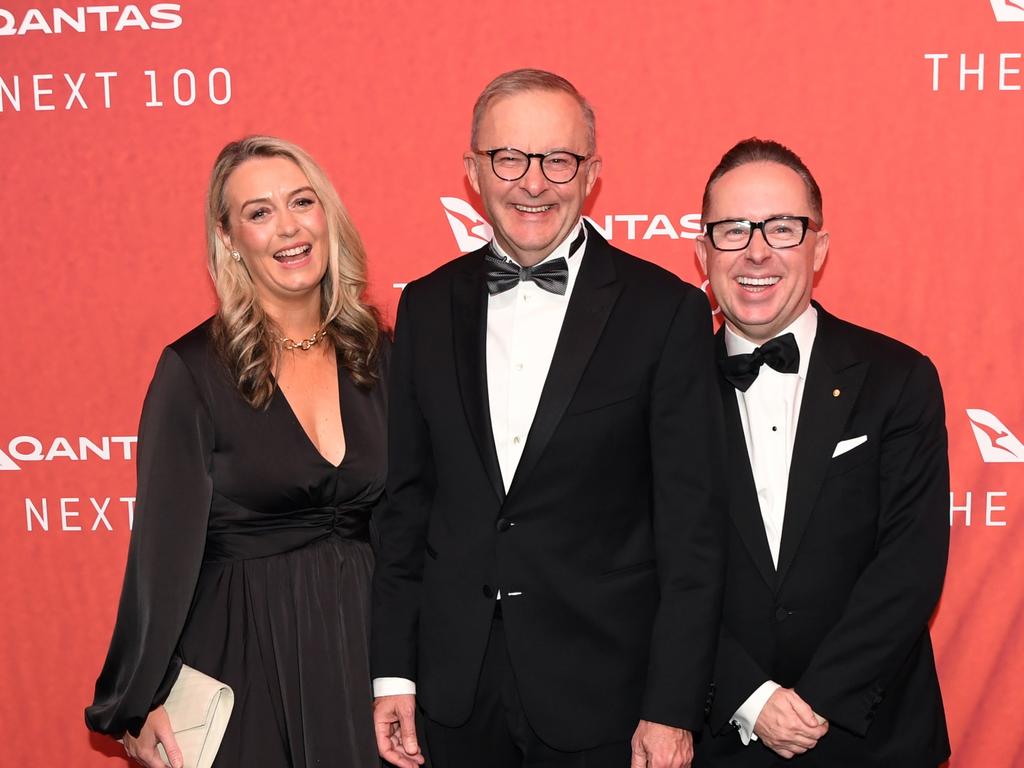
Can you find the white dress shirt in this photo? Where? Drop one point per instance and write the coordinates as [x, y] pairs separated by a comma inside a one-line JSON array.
[[769, 411], [523, 325]]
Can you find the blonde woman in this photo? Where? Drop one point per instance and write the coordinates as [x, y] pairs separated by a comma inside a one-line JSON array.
[[261, 459]]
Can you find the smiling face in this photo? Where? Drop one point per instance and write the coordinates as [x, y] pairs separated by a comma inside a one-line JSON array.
[[532, 215], [277, 224], [761, 290]]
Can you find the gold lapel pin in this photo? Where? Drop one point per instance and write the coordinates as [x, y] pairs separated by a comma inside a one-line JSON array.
[[836, 393]]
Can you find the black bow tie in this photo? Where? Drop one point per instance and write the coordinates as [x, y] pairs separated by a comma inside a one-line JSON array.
[[781, 353], [552, 276]]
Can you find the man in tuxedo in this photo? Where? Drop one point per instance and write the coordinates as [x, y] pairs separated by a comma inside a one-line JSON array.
[[548, 578], [839, 530]]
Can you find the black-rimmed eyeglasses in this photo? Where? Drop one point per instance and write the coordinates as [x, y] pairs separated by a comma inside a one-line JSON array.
[[510, 164], [778, 232]]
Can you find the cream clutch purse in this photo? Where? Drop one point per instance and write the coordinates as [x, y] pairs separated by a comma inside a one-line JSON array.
[[198, 707]]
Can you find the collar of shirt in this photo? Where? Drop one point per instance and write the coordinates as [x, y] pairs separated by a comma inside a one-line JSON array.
[[560, 252], [804, 328]]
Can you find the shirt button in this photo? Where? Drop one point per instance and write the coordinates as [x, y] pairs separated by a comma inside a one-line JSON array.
[[519, 366], [515, 440]]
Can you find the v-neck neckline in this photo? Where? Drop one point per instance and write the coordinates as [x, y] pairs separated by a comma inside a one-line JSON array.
[[309, 440]]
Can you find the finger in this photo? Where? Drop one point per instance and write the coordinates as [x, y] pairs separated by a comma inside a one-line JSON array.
[[407, 724], [803, 711], [174, 754], [384, 728], [803, 743], [165, 736], [794, 741], [397, 759], [800, 731], [150, 758], [639, 758], [143, 751], [687, 749], [395, 753]]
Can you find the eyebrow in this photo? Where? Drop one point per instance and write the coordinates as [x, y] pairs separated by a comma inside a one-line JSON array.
[[546, 152], [288, 196], [766, 218]]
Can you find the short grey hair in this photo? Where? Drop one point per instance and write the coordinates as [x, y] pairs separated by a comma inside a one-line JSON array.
[[522, 80]]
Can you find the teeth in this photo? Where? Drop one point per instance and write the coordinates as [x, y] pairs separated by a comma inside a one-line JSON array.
[[297, 251], [532, 208], [758, 281]]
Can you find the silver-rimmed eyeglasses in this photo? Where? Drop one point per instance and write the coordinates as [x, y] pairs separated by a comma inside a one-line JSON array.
[[511, 164], [778, 232]]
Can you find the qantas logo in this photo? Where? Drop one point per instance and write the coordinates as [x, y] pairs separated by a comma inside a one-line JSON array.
[[998, 445], [472, 231], [27, 448], [1008, 10], [469, 227], [102, 18]]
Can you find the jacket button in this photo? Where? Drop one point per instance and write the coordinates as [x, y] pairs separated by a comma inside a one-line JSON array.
[[504, 524], [488, 592], [782, 613]]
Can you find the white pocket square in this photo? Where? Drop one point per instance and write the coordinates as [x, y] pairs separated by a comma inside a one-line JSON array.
[[848, 445]]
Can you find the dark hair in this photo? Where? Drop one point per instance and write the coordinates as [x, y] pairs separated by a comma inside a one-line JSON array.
[[522, 80], [756, 150]]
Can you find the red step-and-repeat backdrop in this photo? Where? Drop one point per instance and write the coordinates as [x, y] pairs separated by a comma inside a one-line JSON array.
[[910, 114]]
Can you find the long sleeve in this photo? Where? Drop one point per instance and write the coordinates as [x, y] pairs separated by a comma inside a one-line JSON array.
[[165, 554], [737, 676], [688, 455], [887, 612], [401, 524]]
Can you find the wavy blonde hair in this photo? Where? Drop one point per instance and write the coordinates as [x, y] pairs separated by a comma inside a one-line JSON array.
[[243, 333]]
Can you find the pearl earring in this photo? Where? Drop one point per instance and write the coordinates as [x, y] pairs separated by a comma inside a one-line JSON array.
[[236, 256]]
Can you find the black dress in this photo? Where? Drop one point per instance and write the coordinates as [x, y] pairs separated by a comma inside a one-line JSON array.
[[250, 561]]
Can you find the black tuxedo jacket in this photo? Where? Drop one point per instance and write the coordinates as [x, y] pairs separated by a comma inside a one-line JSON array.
[[844, 619], [608, 547]]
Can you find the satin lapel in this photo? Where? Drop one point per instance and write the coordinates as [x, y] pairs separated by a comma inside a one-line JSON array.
[[744, 507], [590, 305], [834, 380], [469, 326]]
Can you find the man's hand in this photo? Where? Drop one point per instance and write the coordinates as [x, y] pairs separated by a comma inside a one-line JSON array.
[[788, 725], [394, 721], [661, 746]]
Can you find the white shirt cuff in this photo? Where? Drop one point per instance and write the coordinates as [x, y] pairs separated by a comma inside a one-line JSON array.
[[392, 686], [746, 716]]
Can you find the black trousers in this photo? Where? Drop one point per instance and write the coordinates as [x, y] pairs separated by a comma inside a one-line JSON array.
[[498, 734]]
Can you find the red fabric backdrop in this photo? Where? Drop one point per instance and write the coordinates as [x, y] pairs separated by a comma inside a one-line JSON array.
[[909, 113]]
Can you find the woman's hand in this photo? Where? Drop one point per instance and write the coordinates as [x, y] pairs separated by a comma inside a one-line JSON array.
[[156, 729]]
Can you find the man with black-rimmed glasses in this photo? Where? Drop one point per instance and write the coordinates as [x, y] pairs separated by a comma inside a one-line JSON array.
[[839, 525], [549, 574]]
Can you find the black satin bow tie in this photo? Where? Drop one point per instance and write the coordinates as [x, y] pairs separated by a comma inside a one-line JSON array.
[[552, 276], [781, 353]]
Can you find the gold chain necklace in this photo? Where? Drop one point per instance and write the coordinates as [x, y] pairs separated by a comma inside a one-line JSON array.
[[305, 344]]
